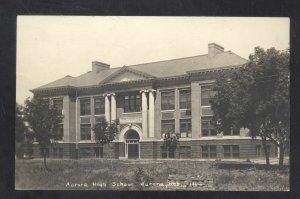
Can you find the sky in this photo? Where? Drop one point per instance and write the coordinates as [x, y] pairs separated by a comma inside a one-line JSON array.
[[51, 47]]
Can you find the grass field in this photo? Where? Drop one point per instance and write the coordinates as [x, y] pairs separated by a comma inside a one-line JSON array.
[[101, 174]]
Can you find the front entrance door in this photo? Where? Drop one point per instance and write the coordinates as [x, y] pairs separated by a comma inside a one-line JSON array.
[[132, 146], [133, 151]]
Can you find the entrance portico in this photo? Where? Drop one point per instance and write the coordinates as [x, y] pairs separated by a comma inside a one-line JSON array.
[[131, 135]]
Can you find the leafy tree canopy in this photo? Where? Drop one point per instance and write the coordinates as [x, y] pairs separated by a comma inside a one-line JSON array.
[[105, 132], [256, 97], [20, 127], [42, 118]]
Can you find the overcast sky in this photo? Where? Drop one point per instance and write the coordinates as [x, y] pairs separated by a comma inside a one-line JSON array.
[[51, 47]]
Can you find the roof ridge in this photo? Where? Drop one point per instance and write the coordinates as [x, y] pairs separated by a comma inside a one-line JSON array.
[[91, 71], [236, 54], [167, 60]]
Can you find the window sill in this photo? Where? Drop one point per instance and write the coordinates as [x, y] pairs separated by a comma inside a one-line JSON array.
[[86, 141], [85, 115], [58, 141], [210, 136], [185, 109], [205, 106], [167, 110], [128, 113]]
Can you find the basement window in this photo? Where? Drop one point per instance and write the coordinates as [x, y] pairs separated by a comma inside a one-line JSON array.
[[231, 151], [209, 152]]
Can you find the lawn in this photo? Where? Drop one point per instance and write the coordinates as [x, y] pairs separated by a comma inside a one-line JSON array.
[[101, 174]]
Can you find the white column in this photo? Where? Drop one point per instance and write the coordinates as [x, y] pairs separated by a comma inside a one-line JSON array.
[[151, 113], [144, 113], [113, 107], [107, 108]]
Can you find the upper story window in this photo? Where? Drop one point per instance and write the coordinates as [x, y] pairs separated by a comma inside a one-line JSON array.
[[132, 103], [206, 94], [99, 106], [168, 126], [208, 129], [58, 104], [168, 100], [185, 99], [185, 128], [85, 107], [232, 131]]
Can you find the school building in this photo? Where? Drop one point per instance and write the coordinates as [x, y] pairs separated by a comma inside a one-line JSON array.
[[149, 100]]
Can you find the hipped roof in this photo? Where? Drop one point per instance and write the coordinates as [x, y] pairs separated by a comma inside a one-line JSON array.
[[159, 69]]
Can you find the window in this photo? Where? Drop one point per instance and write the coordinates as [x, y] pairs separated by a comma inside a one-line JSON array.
[[46, 151], [206, 94], [235, 151], [58, 152], [99, 106], [227, 151], [164, 152], [132, 103], [98, 152], [185, 152], [167, 153], [269, 149], [167, 100], [258, 151], [168, 126], [185, 128], [231, 151], [85, 107], [58, 133], [86, 152], [232, 131], [99, 119], [85, 132], [58, 104], [235, 131], [209, 151], [185, 99], [208, 129]]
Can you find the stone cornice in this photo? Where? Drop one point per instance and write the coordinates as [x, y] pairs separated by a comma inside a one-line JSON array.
[[182, 79], [65, 90], [211, 74], [215, 70]]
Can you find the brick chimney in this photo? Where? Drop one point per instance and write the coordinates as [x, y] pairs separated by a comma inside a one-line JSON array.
[[214, 49], [99, 66]]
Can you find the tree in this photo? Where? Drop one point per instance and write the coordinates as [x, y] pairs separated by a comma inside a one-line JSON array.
[[20, 130], [170, 142], [257, 97], [105, 132], [42, 117]]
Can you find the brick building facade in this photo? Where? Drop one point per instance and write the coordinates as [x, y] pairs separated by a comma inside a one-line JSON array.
[[149, 100]]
